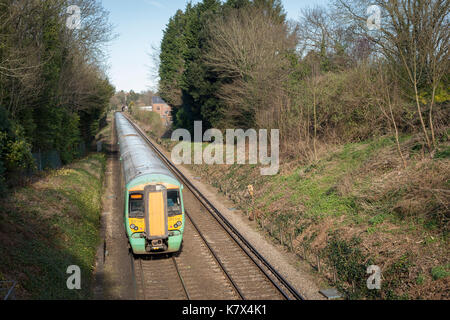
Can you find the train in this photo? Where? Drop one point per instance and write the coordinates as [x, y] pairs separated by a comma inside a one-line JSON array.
[[154, 215]]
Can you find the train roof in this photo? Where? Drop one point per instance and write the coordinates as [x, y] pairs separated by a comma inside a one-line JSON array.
[[137, 157]]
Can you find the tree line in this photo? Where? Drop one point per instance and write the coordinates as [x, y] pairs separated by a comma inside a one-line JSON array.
[[328, 77], [131, 99], [53, 89]]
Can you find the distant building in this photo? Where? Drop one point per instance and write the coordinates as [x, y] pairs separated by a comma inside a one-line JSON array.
[[161, 107], [146, 108]]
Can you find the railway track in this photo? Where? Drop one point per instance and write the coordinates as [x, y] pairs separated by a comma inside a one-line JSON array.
[[240, 271], [158, 278]]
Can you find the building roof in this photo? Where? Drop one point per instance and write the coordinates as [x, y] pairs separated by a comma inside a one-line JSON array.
[[158, 100]]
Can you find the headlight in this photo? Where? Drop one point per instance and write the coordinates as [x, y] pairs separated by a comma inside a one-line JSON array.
[[132, 226]]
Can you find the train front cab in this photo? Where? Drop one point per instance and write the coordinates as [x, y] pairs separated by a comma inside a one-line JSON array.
[[154, 218]]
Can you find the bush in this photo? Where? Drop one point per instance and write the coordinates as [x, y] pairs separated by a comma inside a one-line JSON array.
[[15, 151], [350, 264]]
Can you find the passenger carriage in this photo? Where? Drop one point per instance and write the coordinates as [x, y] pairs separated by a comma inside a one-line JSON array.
[[154, 210]]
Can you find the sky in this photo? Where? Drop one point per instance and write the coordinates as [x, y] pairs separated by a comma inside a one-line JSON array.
[[139, 25]]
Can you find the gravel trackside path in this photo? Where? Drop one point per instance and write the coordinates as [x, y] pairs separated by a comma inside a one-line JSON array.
[[113, 274]]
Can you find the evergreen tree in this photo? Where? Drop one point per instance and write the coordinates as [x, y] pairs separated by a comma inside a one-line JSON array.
[[187, 83]]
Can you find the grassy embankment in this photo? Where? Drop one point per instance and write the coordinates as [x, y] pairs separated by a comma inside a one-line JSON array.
[[50, 225], [354, 207], [150, 120]]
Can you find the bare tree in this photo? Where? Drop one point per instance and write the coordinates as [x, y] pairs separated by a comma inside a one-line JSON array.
[[383, 91], [155, 61], [413, 37], [320, 31], [314, 86], [249, 50]]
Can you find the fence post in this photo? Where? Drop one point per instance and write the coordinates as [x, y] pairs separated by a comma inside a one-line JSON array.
[[318, 263]]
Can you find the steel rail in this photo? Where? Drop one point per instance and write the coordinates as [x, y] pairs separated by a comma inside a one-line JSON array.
[[133, 273], [181, 278], [233, 283], [142, 278], [228, 227]]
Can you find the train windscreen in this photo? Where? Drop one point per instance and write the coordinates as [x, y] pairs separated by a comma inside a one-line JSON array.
[[137, 206], [173, 203]]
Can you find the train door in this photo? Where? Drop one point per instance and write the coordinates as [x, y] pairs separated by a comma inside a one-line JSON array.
[[156, 215]]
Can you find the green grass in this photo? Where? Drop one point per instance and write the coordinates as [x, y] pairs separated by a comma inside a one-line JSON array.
[[440, 272], [314, 185], [443, 153], [52, 227], [420, 279]]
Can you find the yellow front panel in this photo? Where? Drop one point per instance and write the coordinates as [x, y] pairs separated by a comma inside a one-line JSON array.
[[173, 220], [156, 214], [138, 222]]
